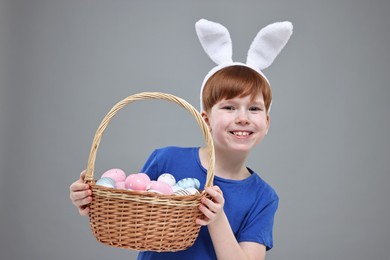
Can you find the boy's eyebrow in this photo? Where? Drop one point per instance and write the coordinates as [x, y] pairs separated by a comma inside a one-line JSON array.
[[254, 102], [259, 102]]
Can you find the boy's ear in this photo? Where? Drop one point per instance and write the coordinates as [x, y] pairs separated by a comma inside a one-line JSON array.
[[268, 123], [205, 118]]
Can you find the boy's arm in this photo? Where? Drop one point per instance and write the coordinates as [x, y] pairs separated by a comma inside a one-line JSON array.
[[224, 241]]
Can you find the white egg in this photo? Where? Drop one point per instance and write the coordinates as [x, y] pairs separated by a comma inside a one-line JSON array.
[[192, 191], [182, 193], [167, 178], [176, 188]]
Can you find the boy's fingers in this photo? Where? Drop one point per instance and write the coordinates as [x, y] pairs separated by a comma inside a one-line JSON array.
[[214, 190], [78, 186], [82, 202], [216, 193], [79, 195], [86, 201], [202, 222], [217, 189], [82, 175], [84, 211], [208, 203], [207, 212]]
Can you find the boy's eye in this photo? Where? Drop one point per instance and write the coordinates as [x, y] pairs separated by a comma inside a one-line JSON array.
[[228, 108], [255, 108]]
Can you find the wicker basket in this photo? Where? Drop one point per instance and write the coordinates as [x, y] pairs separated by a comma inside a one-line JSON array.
[[142, 220]]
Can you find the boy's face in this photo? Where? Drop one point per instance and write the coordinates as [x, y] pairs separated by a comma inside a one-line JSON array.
[[238, 124]]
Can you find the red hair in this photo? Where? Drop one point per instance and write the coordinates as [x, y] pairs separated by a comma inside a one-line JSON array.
[[235, 81]]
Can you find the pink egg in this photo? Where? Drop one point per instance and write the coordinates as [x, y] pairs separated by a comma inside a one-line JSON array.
[[121, 185], [116, 174], [137, 182], [161, 187], [144, 175]]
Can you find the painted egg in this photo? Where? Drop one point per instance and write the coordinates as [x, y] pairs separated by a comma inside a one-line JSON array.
[[115, 174], [106, 182], [182, 192], [167, 178], [189, 183], [176, 188], [120, 185], [144, 176], [155, 191], [160, 187], [192, 191], [137, 182]]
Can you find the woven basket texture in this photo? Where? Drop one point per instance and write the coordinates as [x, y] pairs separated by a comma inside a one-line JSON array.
[[145, 221]]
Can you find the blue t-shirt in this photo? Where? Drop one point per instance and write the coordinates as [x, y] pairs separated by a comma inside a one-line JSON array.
[[250, 204]]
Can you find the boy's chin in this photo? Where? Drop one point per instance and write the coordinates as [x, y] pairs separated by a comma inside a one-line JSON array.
[[242, 148]]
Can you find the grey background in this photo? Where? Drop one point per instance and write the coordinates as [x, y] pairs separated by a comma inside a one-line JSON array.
[[64, 64]]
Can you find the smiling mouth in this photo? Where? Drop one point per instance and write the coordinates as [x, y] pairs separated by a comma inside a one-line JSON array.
[[241, 133]]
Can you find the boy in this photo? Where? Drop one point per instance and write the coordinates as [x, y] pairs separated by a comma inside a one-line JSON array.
[[236, 99]]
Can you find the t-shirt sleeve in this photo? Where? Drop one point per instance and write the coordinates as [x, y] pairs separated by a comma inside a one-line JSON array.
[[151, 166], [259, 226]]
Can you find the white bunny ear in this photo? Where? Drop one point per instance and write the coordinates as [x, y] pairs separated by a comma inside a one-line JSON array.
[[215, 40], [267, 44]]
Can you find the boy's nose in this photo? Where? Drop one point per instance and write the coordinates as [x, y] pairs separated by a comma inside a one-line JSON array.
[[242, 118]]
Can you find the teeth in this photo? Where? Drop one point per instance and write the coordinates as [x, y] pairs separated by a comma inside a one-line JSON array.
[[240, 133]]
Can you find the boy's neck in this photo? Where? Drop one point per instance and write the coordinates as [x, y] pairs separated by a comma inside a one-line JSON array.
[[227, 165]]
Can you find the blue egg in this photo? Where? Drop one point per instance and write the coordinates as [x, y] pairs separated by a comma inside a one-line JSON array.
[[189, 183], [106, 182]]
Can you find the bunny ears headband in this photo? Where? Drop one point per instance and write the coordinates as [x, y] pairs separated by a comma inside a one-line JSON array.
[[216, 42]]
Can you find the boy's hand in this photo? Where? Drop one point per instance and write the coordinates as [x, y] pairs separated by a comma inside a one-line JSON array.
[[211, 208], [80, 194]]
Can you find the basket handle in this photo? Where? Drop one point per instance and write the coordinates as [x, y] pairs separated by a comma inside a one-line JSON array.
[[146, 96]]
